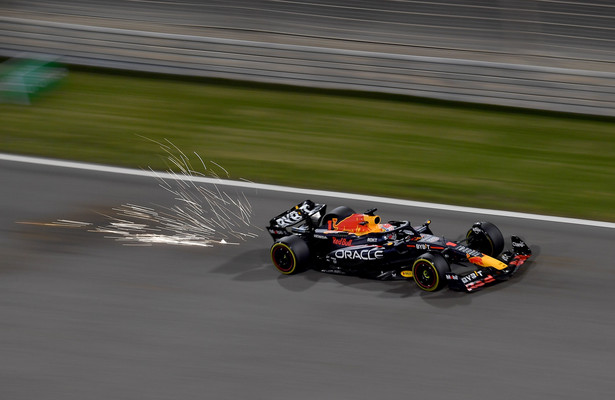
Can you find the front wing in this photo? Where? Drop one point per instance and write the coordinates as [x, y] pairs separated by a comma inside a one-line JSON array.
[[484, 275]]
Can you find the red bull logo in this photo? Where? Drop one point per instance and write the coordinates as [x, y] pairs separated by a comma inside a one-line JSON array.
[[359, 224], [486, 261], [476, 260], [342, 242]]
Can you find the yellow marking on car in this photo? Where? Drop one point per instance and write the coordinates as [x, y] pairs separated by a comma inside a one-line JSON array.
[[487, 261], [406, 274]]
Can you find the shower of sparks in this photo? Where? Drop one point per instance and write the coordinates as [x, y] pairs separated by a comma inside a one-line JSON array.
[[62, 223], [203, 215]]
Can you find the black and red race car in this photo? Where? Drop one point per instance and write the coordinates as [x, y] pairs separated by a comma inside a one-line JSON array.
[[348, 243]]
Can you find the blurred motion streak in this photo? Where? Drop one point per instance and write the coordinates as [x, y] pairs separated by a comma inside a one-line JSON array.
[[21, 79], [551, 55]]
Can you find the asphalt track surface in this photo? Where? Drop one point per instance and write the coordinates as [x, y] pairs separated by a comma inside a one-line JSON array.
[[85, 317]]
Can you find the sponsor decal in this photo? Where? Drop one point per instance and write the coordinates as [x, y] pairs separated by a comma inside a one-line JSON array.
[[474, 285], [452, 277], [518, 260], [479, 283], [320, 237], [429, 239], [470, 252], [373, 253], [333, 271], [476, 260], [293, 216], [342, 242], [425, 246], [359, 224], [472, 277], [406, 274], [486, 261]]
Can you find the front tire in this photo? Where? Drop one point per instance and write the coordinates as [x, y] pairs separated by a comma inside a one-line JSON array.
[[429, 272], [290, 255], [486, 238]]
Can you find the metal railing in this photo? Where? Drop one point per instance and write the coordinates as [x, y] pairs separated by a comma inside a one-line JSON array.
[[529, 86]]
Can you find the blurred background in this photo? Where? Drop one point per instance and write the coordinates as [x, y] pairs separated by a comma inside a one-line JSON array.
[[555, 55], [237, 79]]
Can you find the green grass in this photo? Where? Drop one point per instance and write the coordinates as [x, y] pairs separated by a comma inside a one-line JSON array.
[[385, 145]]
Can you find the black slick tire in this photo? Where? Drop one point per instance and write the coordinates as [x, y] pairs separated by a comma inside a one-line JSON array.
[[290, 255], [429, 272], [490, 241]]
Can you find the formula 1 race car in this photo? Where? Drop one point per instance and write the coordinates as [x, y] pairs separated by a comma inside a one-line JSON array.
[[348, 243]]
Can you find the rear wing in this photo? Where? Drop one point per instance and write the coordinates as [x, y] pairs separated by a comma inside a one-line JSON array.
[[306, 211]]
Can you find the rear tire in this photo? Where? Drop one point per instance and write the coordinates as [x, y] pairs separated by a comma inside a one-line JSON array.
[[489, 242], [290, 255], [340, 213], [429, 272]]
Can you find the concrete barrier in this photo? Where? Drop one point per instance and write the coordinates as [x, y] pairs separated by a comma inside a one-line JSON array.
[[508, 84]]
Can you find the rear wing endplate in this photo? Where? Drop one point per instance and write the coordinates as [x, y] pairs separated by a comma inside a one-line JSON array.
[[305, 211]]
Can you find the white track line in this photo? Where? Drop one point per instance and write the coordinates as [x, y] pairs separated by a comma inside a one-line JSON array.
[[307, 192]]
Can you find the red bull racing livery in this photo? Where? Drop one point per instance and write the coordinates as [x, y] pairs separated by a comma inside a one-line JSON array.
[[348, 243]]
